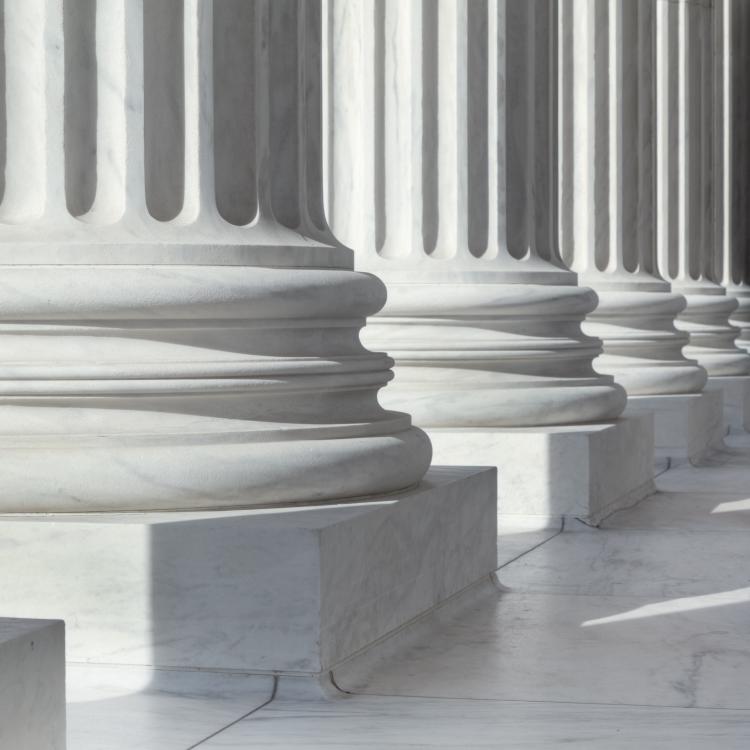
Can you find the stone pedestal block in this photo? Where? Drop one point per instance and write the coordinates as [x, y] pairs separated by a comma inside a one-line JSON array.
[[736, 392], [292, 590], [686, 427], [32, 684], [573, 471]]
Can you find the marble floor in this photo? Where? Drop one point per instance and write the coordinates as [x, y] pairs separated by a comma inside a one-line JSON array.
[[635, 635]]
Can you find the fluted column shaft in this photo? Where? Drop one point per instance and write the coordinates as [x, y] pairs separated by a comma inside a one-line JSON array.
[[688, 253], [732, 30], [178, 328], [607, 223], [442, 177]]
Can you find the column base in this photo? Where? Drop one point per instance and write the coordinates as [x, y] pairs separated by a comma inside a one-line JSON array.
[[289, 591], [736, 391], [686, 427], [32, 684], [580, 472]]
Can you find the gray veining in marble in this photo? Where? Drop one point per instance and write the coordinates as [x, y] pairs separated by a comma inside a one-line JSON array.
[[633, 635], [114, 708], [696, 511], [32, 684], [378, 722], [732, 479], [634, 563], [284, 590], [550, 647]]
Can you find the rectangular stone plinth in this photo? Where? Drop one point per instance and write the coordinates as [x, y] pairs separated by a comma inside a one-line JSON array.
[[736, 392], [686, 427], [292, 590], [32, 684], [549, 473]]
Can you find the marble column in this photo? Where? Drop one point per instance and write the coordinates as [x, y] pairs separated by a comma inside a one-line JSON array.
[[607, 193], [178, 328], [443, 167], [733, 157], [442, 174], [732, 169], [688, 254]]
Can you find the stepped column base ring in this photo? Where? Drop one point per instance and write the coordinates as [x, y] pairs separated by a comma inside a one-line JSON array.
[[712, 337], [194, 387], [642, 348], [484, 355]]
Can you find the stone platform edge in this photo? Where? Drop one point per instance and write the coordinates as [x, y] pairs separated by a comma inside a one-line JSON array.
[[286, 590], [687, 427], [32, 684], [555, 473], [736, 389]]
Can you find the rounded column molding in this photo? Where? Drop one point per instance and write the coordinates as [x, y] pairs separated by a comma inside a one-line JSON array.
[[740, 318], [712, 337], [493, 355], [642, 347]]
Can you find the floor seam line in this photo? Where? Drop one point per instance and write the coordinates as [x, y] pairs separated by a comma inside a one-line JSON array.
[[531, 549], [541, 702], [244, 716]]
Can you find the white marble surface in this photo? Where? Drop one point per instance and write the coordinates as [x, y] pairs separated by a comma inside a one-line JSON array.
[[32, 685], [293, 590], [124, 708], [704, 479], [737, 444], [378, 722], [697, 511], [582, 649], [653, 609], [514, 542], [635, 563], [572, 471], [686, 426], [736, 400], [630, 635]]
